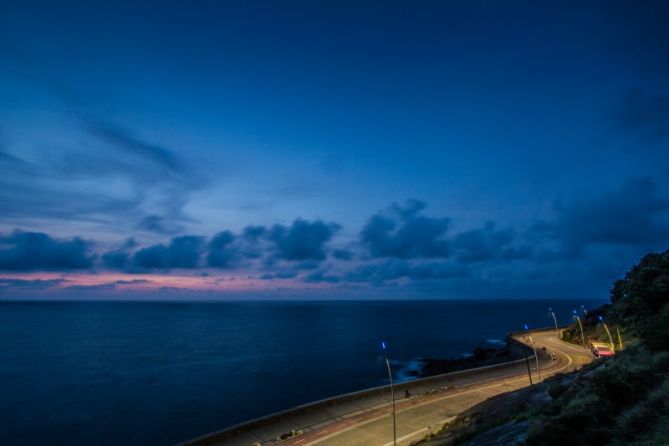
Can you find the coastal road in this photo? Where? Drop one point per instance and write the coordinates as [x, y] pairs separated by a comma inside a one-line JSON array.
[[368, 420]]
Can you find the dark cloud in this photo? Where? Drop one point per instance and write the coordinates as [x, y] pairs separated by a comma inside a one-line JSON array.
[[116, 259], [632, 215], [131, 282], [222, 250], [119, 258], [254, 233], [320, 276], [96, 287], [29, 284], [280, 275], [390, 270], [106, 286], [403, 232], [487, 243], [302, 240], [181, 252], [30, 251], [229, 250]]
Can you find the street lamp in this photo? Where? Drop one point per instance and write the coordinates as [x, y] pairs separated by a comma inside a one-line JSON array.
[[536, 357], [620, 340], [581, 327], [384, 346], [585, 311], [527, 362], [557, 331], [601, 319]]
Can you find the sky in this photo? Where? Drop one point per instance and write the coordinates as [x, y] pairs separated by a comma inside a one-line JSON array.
[[331, 149]]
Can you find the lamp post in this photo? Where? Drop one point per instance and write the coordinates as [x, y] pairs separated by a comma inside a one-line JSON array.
[[581, 327], [601, 319], [585, 311], [557, 331], [536, 357], [620, 340], [384, 346]]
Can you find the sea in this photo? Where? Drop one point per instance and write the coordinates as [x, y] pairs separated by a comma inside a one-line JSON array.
[[160, 373]]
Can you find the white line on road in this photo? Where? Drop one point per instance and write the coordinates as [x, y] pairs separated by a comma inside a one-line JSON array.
[[413, 434]]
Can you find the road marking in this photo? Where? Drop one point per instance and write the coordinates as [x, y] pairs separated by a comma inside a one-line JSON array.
[[390, 443], [419, 431]]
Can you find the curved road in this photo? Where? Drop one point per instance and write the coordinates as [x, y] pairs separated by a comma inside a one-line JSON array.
[[368, 421]]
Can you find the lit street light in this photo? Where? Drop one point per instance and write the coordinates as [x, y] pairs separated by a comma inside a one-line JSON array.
[[557, 331], [384, 346], [581, 327], [620, 340], [601, 319]]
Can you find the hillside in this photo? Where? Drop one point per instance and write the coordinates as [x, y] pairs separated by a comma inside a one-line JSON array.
[[615, 401]]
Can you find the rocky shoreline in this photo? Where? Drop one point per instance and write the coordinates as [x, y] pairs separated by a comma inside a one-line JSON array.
[[482, 356]]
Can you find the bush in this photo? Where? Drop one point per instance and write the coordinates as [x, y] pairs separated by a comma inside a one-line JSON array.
[[557, 389]]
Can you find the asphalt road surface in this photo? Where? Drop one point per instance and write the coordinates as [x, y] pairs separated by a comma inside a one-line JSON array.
[[368, 421]]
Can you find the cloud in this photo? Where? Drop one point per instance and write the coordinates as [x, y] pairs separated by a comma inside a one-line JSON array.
[[222, 251], [487, 243], [229, 250], [30, 251], [403, 232], [302, 240], [181, 252], [130, 144], [116, 259], [393, 269], [51, 188], [96, 287], [131, 282], [159, 225], [29, 284], [631, 215], [119, 181], [119, 258], [280, 275], [320, 276], [107, 285], [342, 254]]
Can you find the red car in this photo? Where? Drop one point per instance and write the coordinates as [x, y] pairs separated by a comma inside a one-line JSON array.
[[601, 350]]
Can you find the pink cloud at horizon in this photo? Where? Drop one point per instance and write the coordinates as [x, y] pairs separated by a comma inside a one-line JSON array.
[[119, 282]]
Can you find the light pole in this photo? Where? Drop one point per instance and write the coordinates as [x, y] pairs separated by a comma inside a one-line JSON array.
[[601, 319], [384, 346], [557, 331], [585, 311], [581, 327], [620, 340], [536, 357]]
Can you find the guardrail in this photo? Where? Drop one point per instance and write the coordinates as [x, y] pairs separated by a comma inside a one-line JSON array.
[[231, 431]]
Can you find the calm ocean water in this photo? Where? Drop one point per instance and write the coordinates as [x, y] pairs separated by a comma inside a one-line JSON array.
[[159, 373]]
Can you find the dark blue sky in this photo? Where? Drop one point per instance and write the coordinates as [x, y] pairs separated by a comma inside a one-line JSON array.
[[441, 149]]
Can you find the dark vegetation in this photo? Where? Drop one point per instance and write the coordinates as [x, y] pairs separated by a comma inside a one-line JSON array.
[[616, 401]]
